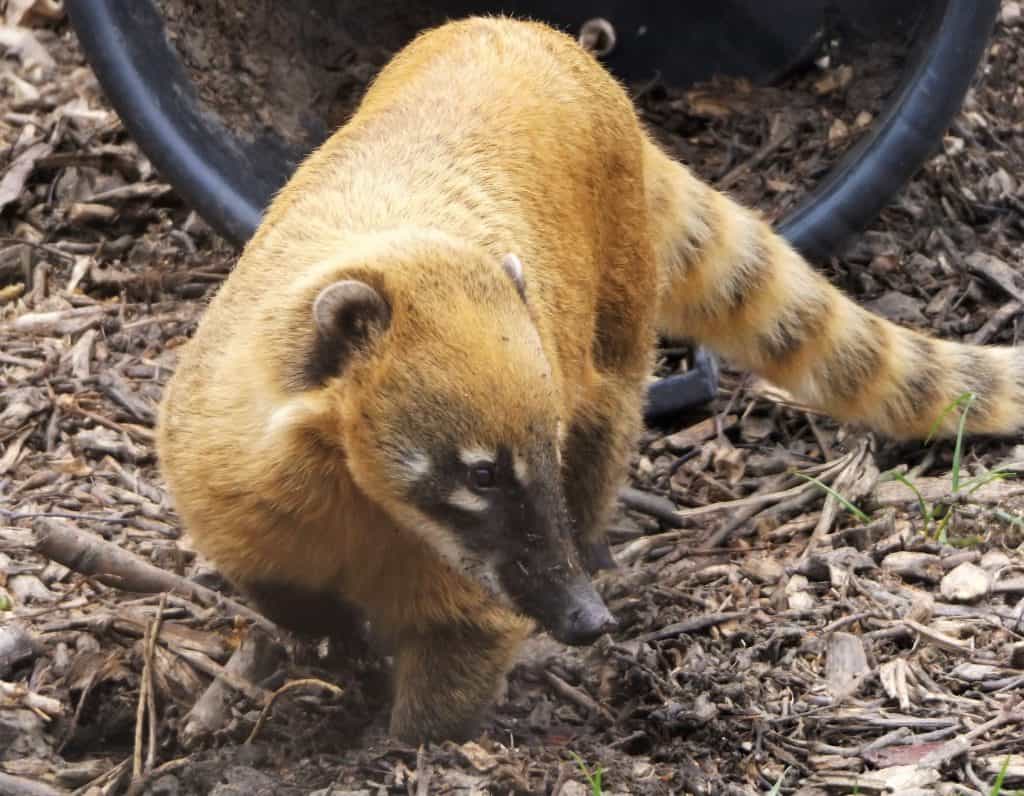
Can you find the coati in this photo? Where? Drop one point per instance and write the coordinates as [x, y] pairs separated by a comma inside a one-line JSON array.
[[415, 394]]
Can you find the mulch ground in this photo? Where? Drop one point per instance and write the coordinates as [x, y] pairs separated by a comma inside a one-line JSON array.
[[770, 634]]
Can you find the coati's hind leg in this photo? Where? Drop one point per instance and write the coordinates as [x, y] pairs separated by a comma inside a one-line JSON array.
[[447, 676]]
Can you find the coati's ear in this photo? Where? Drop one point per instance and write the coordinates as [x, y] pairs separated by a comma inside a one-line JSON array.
[[514, 268], [347, 316]]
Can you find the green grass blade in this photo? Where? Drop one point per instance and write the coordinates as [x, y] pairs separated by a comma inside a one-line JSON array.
[[942, 416], [997, 787], [856, 512], [959, 449], [972, 485], [1005, 516], [925, 511], [777, 787], [593, 777]]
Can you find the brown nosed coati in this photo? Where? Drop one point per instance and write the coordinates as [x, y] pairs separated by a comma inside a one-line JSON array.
[[416, 392]]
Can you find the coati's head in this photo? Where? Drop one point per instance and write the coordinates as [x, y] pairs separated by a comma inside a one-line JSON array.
[[449, 416]]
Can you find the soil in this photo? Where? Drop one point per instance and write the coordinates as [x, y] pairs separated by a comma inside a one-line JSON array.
[[291, 73], [768, 635]]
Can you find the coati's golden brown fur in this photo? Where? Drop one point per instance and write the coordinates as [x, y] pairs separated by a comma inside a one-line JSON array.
[[374, 337]]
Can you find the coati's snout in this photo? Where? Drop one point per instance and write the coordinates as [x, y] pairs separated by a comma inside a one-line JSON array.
[[567, 605], [541, 571]]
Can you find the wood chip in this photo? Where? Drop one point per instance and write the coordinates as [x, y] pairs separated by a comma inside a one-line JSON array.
[[965, 584], [846, 665]]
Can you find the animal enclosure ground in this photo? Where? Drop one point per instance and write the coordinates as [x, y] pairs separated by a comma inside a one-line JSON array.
[[768, 633]]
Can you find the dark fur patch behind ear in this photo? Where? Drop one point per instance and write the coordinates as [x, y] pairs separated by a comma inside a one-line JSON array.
[[347, 315]]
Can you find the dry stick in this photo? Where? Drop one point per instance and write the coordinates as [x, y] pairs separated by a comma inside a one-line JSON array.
[[772, 497], [577, 696], [424, 772], [43, 706], [147, 698], [114, 566], [691, 625], [304, 683], [19, 786], [779, 135], [105, 780], [962, 743], [831, 508], [664, 510], [209, 666], [748, 513], [653, 505], [722, 535], [139, 786], [140, 717]]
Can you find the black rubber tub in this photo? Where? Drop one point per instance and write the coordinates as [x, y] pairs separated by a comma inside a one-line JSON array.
[[229, 179]]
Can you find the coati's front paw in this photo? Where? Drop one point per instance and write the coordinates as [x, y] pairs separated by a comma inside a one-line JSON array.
[[434, 720], [446, 681]]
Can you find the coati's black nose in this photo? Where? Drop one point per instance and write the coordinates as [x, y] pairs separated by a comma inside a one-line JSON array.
[[586, 617], [587, 625]]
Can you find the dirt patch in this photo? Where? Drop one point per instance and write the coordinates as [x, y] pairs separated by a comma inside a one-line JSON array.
[[294, 72], [833, 665]]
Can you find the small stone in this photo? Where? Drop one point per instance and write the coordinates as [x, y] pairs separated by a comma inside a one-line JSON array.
[[1017, 655], [846, 665], [899, 307], [797, 596], [477, 756], [918, 566], [864, 118], [1000, 184], [762, 569], [29, 590], [1010, 14], [16, 647], [977, 672], [994, 559], [965, 583], [838, 132]]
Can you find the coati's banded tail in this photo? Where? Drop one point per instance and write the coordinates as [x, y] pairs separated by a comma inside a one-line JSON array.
[[731, 283]]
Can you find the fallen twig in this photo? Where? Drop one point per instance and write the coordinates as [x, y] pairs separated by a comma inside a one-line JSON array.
[[577, 696], [147, 700], [306, 682], [45, 707], [692, 625], [114, 566], [19, 786]]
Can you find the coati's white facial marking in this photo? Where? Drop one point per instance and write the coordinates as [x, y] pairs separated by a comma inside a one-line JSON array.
[[462, 498], [418, 464], [475, 455], [447, 546], [520, 468]]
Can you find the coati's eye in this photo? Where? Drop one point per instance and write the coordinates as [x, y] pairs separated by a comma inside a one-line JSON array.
[[482, 476]]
